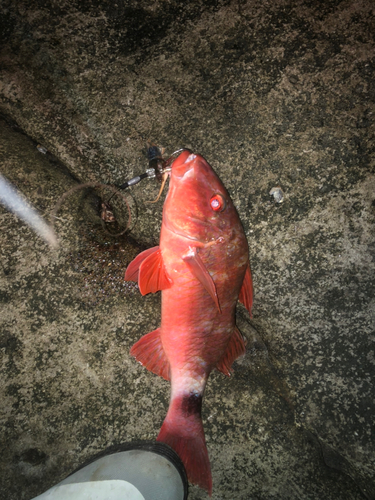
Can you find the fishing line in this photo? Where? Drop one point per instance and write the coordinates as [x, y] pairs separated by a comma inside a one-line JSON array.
[[57, 207]]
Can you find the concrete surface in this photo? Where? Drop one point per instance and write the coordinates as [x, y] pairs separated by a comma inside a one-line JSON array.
[[272, 94]]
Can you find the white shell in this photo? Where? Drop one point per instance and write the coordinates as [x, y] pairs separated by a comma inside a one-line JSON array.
[[277, 194]]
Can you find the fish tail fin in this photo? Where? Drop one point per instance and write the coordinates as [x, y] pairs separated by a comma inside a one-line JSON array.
[[183, 431]]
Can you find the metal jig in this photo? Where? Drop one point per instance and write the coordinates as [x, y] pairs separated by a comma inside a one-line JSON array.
[[158, 168]]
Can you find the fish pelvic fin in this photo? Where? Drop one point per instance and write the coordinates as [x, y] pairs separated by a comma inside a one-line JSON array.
[[150, 353], [183, 431], [148, 267], [199, 270], [235, 349], [246, 292]]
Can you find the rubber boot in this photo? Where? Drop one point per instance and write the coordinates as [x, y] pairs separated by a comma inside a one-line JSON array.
[[135, 471]]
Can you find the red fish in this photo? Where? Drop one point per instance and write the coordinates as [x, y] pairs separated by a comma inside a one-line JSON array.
[[202, 268]]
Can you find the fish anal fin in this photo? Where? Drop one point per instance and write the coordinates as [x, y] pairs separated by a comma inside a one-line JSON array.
[[199, 270], [150, 353], [246, 292], [235, 349], [152, 275], [131, 273]]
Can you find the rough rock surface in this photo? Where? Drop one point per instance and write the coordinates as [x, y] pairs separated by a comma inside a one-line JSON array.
[[273, 94]]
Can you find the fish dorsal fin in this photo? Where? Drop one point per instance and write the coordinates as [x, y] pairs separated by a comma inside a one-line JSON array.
[[148, 268], [246, 292], [198, 269], [235, 349], [131, 273], [150, 353]]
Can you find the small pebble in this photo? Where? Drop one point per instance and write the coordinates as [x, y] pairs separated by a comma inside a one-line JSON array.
[[42, 149], [277, 194]]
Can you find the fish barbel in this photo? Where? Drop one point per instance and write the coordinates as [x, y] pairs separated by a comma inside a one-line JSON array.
[[202, 267]]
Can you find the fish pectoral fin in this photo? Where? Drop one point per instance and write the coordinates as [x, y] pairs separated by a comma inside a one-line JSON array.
[[246, 292], [150, 353], [149, 268], [235, 349], [131, 273], [199, 270]]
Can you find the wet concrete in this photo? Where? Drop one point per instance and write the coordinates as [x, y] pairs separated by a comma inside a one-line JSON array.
[[272, 94]]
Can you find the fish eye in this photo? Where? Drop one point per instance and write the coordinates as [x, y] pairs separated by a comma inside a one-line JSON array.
[[217, 203]]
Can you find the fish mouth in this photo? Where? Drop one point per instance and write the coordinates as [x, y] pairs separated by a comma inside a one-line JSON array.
[[183, 168]]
